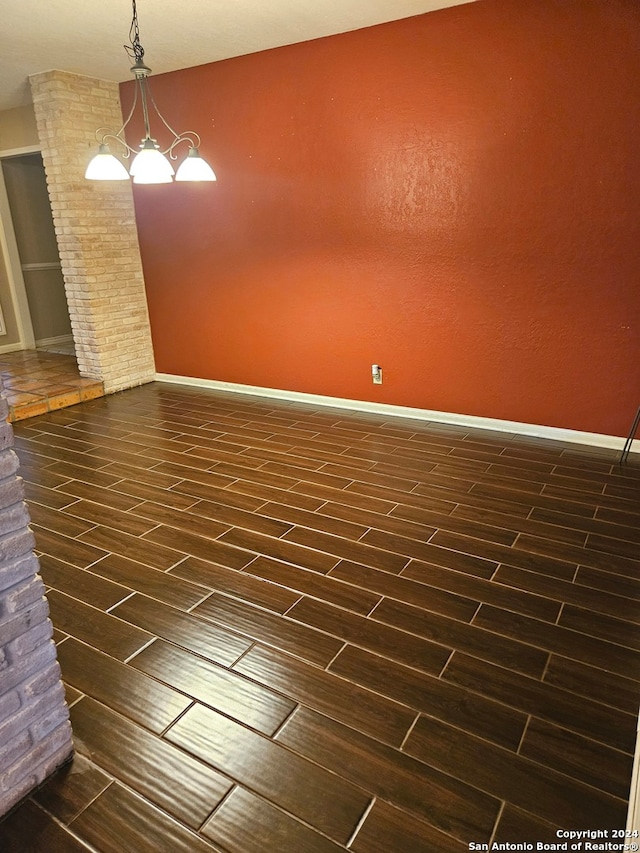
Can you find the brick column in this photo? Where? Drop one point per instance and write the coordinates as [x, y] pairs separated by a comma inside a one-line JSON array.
[[35, 735], [95, 229]]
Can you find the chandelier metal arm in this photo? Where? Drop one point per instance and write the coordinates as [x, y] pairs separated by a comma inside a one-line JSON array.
[[104, 133], [189, 136], [104, 138]]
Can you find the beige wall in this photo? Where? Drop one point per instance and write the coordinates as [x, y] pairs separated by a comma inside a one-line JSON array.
[[35, 235], [47, 304], [18, 129], [30, 209]]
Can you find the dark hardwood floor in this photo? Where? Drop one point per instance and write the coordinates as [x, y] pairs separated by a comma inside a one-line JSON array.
[[294, 629]]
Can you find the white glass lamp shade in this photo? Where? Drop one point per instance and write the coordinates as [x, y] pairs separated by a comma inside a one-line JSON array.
[[194, 168], [149, 166], [105, 167]]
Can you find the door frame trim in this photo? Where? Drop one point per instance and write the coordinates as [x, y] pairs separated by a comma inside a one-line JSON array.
[[9, 247]]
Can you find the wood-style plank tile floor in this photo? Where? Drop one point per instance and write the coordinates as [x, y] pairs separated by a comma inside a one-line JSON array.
[[294, 629]]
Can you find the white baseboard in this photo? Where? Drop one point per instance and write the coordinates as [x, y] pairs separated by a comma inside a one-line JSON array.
[[15, 347], [536, 430], [54, 342]]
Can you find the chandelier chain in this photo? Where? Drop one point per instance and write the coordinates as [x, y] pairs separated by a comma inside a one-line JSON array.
[[135, 50]]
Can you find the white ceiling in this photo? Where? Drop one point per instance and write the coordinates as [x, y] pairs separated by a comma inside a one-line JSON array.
[[87, 36]]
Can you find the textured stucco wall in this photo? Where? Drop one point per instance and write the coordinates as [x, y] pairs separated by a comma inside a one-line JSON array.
[[454, 196]]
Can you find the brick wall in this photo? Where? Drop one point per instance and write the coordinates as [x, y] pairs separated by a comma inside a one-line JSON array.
[[95, 229], [35, 735]]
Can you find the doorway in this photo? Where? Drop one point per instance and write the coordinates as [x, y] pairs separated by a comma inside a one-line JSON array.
[[35, 240], [37, 353]]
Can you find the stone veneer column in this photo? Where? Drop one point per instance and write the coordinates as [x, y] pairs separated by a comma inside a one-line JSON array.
[[35, 734], [95, 229]]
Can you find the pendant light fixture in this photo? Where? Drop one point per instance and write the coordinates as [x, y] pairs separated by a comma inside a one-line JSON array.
[[150, 165]]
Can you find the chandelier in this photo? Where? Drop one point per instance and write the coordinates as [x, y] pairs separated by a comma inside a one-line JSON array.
[[149, 165]]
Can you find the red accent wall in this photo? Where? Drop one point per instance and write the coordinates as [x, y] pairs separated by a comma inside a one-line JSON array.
[[455, 197]]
